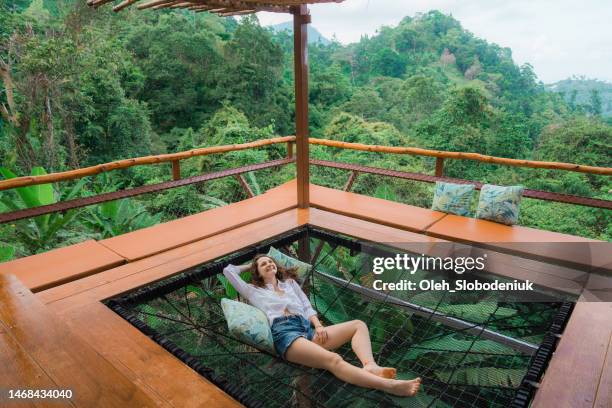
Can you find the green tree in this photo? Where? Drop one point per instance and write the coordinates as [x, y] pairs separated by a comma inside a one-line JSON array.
[[252, 78], [595, 103]]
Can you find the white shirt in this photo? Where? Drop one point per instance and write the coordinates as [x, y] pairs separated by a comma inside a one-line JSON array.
[[273, 304]]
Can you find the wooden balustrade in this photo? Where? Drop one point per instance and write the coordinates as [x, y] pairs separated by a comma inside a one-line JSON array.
[[138, 161], [464, 156]]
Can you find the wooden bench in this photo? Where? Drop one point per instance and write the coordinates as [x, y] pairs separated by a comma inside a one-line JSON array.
[[53, 268], [163, 237], [538, 244], [63, 265], [390, 213]]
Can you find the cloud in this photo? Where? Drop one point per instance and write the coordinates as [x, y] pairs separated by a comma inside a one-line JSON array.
[[560, 38]]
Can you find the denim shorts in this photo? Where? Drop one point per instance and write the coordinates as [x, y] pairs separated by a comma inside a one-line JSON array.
[[286, 329]]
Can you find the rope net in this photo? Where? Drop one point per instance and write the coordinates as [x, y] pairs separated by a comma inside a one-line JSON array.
[[460, 367]]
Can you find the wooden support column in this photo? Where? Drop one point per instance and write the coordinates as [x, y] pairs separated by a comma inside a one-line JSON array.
[[301, 19]]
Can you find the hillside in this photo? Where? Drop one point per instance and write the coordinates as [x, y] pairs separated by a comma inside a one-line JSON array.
[[589, 95], [314, 36]]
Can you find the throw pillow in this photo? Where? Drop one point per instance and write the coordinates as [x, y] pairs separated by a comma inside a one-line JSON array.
[[500, 204], [248, 324], [288, 262], [453, 198]]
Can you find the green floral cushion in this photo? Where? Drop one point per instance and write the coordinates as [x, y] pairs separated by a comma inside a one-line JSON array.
[[248, 324], [500, 204], [288, 262], [453, 198]]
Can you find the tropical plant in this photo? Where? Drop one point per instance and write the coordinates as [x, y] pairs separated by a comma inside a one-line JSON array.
[[119, 217], [6, 253], [39, 232]]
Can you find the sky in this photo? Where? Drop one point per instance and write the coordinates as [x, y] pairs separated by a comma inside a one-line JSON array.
[[560, 38]]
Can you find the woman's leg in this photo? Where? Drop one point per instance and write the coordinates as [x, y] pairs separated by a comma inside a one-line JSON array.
[[358, 334], [307, 353]]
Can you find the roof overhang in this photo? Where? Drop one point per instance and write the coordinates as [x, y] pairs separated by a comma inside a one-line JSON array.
[[220, 7]]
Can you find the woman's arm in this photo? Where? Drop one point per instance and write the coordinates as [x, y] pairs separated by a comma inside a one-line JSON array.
[[309, 312], [315, 321], [232, 273]]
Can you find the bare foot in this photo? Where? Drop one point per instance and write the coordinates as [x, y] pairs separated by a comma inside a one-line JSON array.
[[384, 372], [404, 388]]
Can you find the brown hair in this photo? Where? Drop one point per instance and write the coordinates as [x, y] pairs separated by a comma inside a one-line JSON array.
[[281, 273]]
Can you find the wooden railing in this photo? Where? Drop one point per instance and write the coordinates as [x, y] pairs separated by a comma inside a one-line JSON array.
[[441, 155], [355, 170], [174, 158], [177, 180]]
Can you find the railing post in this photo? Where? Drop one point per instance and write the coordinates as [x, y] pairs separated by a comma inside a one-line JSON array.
[[176, 170], [439, 167], [289, 150]]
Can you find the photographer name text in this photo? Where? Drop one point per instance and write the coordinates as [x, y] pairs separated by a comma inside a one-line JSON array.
[[454, 286]]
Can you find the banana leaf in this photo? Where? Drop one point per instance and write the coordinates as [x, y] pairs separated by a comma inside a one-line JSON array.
[[483, 377]]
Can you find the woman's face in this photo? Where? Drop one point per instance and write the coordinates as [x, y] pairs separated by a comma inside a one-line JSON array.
[[266, 268]]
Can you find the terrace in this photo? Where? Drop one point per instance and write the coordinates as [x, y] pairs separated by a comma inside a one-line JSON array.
[[58, 332]]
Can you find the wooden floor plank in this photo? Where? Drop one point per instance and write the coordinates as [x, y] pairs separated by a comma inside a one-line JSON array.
[[19, 371], [143, 361], [573, 374], [604, 390], [66, 358]]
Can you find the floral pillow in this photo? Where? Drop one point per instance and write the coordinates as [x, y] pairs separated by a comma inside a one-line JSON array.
[[453, 198], [500, 204], [288, 262], [248, 324]]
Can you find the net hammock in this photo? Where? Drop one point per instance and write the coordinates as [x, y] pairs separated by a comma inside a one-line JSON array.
[[471, 350]]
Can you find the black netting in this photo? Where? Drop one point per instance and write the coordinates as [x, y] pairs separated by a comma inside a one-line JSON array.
[[479, 359]]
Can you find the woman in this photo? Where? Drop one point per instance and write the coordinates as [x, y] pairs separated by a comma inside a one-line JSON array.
[[299, 336]]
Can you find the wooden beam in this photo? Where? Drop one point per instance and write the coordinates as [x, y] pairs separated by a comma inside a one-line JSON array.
[[439, 167], [176, 170], [245, 185], [350, 181], [289, 150], [301, 19]]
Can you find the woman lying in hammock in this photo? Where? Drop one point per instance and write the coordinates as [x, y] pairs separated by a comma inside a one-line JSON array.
[[299, 336]]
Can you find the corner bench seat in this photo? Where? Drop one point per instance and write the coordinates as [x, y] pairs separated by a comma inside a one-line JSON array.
[[67, 264], [524, 241], [389, 213], [162, 237], [530, 242], [62, 265]]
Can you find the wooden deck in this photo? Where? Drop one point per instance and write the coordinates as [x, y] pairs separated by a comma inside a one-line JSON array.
[[116, 365]]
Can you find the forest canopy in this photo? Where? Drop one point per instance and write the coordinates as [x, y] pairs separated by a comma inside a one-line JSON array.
[[82, 86]]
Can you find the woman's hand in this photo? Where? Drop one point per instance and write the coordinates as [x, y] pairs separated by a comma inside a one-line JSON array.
[[321, 334]]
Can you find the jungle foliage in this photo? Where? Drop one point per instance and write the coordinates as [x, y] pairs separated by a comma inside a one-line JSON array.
[[81, 87]]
